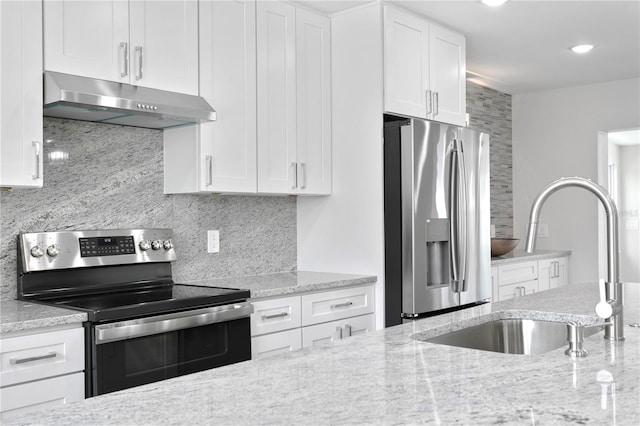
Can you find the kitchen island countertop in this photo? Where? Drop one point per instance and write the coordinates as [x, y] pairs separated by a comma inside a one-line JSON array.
[[387, 377]]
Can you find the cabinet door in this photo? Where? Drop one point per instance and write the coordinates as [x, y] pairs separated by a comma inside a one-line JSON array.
[[87, 38], [494, 282], [337, 330], [406, 66], [21, 399], [277, 162], [164, 44], [276, 343], [546, 269], [517, 290], [447, 74], [21, 88], [313, 71], [228, 82], [517, 272]]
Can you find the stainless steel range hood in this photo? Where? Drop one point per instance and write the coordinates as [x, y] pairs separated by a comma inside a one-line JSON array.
[[88, 99]]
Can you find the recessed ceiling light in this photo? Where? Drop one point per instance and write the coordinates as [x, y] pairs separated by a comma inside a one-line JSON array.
[[582, 48], [494, 3]]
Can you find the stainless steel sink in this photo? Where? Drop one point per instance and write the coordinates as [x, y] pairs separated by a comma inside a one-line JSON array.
[[510, 336]]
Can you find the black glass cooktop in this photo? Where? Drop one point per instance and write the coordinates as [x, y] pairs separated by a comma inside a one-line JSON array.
[[149, 301]]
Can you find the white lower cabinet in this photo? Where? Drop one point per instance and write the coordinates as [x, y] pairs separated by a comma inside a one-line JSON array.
[[522, 278], [336, 330], [275, 343], [40, 369], [290, 323], [553, 273]]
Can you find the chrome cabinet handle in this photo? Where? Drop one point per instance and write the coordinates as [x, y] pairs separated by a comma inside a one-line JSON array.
[[339, 332], [32, 358], [436, 108], [303, 167], [139, 67], [347, 329], [209, 159], [124, 51], [294, 166], [428, 101], [556, 269], [36, 147], [278, 315], [341, 305]]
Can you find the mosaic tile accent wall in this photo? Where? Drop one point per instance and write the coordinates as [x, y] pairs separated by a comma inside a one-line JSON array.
[[490, 112], [107, 176]]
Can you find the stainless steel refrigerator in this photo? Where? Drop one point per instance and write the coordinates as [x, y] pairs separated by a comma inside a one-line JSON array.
[[437, 218]]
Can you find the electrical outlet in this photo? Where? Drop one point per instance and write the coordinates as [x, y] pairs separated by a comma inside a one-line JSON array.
[[493, 231], [213, 241], [543, 230]]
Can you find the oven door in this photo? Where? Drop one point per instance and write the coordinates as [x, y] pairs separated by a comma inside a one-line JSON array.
[[136, 352]]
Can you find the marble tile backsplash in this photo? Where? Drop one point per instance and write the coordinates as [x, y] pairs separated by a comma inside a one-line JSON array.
[[490, 111], [107, 176]]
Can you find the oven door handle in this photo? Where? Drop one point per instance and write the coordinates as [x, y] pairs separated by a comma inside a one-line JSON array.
[[124, 330]]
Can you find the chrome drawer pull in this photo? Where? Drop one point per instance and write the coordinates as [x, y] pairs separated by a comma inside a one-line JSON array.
[[33, 358], [280, 315], [341, 305]]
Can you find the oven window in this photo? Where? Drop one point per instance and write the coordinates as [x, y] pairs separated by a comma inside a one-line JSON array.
[[133, 362]]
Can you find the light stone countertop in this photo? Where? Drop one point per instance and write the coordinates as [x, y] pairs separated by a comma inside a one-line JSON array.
[[18, 315], [521, 256], [288, 283], [386, 377]]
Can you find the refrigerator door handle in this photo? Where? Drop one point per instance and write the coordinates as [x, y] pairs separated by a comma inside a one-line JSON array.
[[462, 182], [458, 212]]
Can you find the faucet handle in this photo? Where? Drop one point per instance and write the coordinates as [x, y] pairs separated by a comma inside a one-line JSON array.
[[603, 308]]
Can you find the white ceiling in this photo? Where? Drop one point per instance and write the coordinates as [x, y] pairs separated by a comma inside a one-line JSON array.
[[523, 46]]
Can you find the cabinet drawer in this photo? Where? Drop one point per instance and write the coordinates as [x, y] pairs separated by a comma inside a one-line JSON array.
[[276, 343], [334, 305], [274, 315], [517, 289], [517, 272], [41, 355], [32, 396], [336, 330]]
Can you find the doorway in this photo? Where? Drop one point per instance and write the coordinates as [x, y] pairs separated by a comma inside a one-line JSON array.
[[619, 172]]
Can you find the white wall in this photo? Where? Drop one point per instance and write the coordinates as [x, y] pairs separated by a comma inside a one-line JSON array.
[[628, 206], [345, 232], [555, 134]]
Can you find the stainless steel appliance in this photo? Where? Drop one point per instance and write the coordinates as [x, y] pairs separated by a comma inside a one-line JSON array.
[[142, 327], [437, 218], [90, 99]]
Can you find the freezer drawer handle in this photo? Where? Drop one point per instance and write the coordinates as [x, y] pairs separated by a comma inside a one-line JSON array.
[[32, 358], [279, 315], [341, 305]]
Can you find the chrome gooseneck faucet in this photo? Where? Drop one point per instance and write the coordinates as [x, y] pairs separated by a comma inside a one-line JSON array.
[[610, 306]]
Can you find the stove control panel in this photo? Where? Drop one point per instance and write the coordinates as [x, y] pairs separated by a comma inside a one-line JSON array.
[[76, 249]]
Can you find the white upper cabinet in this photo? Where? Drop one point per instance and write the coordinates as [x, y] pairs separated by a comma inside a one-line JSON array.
[[294, 100], [145, 43], [21, 94], [224, 151], [277, 161], [406, 64], [447, 77], [313, 53], [424, 68]]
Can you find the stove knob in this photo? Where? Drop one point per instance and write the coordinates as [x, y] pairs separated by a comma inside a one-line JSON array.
[[145, 245], [37, 251], [53, 250], [156, 245], [168, 245]]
